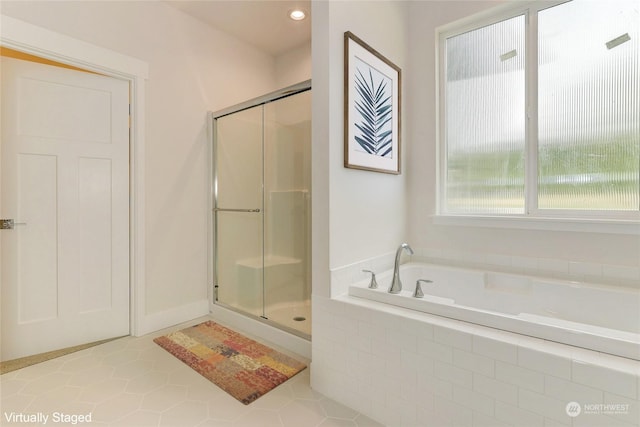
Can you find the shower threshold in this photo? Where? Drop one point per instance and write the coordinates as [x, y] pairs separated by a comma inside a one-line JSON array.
[[283, 316]]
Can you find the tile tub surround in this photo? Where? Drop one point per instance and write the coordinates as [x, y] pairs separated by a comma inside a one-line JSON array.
[[599, 317], [404, 368], [566, 269]]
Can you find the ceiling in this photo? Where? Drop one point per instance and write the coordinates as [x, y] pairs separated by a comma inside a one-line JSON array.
[[264, 24]]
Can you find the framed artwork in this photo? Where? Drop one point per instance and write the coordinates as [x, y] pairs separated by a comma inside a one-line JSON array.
[[371, 108]]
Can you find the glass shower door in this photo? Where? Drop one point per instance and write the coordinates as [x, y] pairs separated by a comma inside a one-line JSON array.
[[287, 215], [239, 210], [262, 215]]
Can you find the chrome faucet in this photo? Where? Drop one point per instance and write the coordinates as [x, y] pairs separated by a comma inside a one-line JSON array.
[[396, 284]]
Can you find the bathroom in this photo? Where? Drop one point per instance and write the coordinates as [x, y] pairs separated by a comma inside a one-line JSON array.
[[385, 350], [359, 218]]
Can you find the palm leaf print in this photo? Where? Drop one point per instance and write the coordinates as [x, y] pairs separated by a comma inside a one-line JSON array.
[[374, 105]]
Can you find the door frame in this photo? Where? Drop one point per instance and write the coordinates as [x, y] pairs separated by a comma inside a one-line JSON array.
[[24, 37]]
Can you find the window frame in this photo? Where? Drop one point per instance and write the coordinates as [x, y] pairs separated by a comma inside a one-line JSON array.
[[532, 217]]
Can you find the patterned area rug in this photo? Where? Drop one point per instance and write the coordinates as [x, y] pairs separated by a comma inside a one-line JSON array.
[[240, 366]]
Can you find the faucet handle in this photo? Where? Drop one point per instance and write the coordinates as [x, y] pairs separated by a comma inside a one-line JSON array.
[[373, 284], [418, 292]]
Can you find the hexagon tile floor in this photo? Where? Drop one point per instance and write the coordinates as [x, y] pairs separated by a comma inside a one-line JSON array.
[[133, 382]]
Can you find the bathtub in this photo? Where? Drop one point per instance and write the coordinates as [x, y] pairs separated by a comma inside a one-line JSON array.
[[598, 317]]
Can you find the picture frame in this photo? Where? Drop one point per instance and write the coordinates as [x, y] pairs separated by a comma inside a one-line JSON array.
[[372, 107]]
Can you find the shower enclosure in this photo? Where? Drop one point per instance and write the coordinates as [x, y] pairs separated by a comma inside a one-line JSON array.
[[261, 208]]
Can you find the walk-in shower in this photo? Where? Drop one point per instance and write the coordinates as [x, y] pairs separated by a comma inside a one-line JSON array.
[[261, 185]]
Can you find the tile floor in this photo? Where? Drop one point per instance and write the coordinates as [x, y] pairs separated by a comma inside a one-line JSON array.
[[133, 382]]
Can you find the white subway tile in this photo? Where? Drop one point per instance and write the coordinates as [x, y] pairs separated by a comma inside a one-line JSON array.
[[370, 361], [543, 405], [544, 362], [458, 415], [417, 328], [366, 329], [474, 362], [336, 336], [586, 356], [571, 392], [432, 253], [359, 314], [495, 349], [430, 418], [583, 269], [621, 272], [362, 373], [497, 389], [616, 382], [373, 391], [435, 350], [599, 420], [380, 348], [395, 384], [453, 374], [499, 260], [403, 341], [548, 422], [427, 401], [515, 416], [521, 377], [473, 258], [425, 331], [361, 343], [414, 360], [346, 324], [476, 401], [630, 414], [553, 265], [524, 263], [383, 321], [450, 255], [398, 405], [618, 363], [453, 338], [436, 386], [408, 391], [482, 420]]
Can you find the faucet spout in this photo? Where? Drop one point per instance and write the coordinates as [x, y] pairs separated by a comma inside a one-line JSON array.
[[396, 284]]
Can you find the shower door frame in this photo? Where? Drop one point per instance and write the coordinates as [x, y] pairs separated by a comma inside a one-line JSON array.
[[213, 198]]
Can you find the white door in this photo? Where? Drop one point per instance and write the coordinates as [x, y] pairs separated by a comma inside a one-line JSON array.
[[64, 180]]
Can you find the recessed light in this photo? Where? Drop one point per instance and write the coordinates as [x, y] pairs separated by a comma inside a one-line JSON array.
[[297, 14]]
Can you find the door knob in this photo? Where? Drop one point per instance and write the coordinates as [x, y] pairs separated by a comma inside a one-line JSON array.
[[9, 224]]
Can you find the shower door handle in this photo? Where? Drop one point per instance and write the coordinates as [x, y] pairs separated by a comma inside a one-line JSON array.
[[235, 210]]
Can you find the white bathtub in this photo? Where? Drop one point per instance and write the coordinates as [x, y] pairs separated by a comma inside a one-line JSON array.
[[598, 317]]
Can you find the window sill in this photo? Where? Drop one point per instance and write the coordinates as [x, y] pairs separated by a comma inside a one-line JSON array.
[[629, 227]]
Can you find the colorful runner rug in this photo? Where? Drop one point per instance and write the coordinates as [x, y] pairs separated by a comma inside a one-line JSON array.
[[240, 366]]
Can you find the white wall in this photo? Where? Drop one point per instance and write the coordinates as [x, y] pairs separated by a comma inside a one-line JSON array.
[[192, 69], [362, 213], [293, 66]]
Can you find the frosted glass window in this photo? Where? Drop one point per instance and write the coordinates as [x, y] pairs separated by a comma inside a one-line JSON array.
[[485, 119], [589, 106], [551, 132]]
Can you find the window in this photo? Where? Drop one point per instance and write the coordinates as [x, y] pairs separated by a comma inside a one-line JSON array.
[[540, 113]]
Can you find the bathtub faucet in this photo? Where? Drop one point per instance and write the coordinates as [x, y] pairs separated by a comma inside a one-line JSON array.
[[396, 284]]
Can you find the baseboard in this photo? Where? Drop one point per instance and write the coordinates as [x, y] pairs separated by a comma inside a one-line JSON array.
[[154, 322]]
